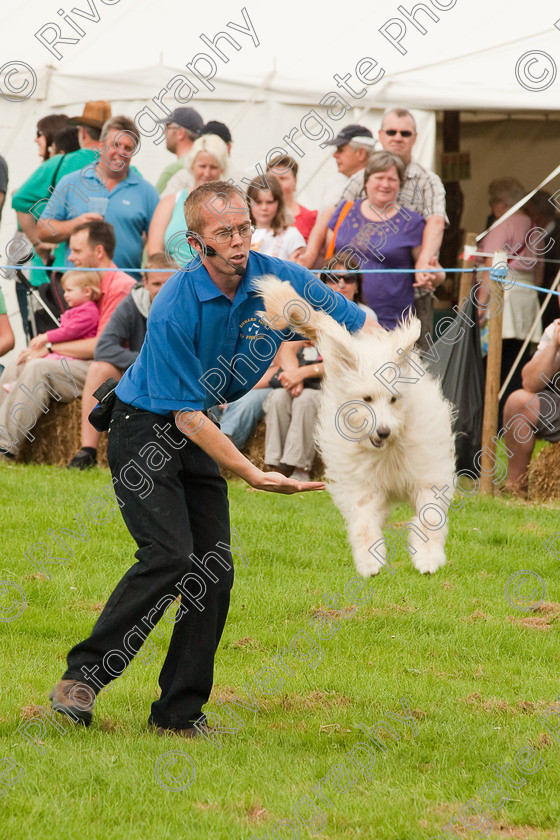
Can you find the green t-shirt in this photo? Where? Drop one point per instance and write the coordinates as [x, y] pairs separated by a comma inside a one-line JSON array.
[[3, 310], [48, 175], [36, 188], [165, 176]]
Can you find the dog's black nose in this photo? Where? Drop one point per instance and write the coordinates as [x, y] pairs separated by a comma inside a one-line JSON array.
[[383, 432]]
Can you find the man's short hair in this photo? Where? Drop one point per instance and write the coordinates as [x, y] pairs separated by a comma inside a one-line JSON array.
[[284, 162], [100, 232], [93, 133], [120, 123], [383, 161], [201, 196], [161, 260], [398, 112]]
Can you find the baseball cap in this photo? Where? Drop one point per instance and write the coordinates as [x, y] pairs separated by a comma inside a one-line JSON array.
[[95, 115], [187, 118], [218, 128], [353, 132]]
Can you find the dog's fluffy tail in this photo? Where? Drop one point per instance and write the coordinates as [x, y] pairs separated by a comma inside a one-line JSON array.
[[285, 308]]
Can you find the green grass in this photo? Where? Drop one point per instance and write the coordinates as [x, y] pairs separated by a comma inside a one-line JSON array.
[[475, 680]]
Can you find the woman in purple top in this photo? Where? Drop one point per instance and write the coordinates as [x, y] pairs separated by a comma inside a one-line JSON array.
[[379, 233]]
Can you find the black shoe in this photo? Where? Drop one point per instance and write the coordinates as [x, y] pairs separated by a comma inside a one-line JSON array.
[[83, 460]]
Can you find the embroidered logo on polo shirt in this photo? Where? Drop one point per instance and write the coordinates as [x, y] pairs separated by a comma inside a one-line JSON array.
[[125, 201], [250, 328]]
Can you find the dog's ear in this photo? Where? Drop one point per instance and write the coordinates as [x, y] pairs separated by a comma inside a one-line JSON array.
[[405, 336], [338, 351]]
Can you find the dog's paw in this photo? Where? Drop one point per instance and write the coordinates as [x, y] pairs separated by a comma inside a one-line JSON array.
[[428, 561], [367, 565]]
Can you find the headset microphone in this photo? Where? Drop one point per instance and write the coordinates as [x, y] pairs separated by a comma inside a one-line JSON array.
[[239, 269], [211, 252]]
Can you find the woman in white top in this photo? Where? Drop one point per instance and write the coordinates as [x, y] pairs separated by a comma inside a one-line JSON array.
[[272, 235]]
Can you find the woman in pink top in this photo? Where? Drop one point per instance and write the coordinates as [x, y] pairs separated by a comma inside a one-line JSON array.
[[521, 305], [81, 290]]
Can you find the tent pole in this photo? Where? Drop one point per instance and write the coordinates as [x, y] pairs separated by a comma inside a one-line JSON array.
[[491, 399]]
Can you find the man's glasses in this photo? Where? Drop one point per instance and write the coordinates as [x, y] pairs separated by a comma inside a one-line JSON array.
[[391, 132], [245, 231], [40, 133]]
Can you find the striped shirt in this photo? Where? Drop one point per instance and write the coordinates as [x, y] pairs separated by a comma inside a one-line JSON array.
[[422, 191]]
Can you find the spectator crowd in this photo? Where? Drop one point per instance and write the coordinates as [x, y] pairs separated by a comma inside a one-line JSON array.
[[100, 241]]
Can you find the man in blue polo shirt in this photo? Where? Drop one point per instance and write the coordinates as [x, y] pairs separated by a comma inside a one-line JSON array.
[[163, 448], [126, 200]]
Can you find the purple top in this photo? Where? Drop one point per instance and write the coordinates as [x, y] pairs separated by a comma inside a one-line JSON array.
[[76, 323], [382, 245]]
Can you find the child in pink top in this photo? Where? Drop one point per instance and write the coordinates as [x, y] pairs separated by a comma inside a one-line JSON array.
[[81, 289]]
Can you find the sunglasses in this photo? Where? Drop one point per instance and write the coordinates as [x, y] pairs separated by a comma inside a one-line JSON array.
[[391, 132], [334, 279]]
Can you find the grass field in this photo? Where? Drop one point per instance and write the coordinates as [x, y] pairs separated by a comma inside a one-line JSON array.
[[476, 669]]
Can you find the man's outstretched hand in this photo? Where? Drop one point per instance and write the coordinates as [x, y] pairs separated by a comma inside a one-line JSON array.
[[275, 482]]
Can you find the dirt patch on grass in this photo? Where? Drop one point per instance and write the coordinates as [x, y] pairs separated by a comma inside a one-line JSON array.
[[531, 622], [327, 612], [87, 606], [477, 615], [496, 704], [501, 829], [30, 711], [542, 742], [247, 642]]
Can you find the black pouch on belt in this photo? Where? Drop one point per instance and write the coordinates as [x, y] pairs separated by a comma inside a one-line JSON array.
[[100, 417]]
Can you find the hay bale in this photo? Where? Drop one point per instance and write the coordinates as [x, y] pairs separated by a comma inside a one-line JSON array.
[[254, 451], [57, 437], [544, 474]]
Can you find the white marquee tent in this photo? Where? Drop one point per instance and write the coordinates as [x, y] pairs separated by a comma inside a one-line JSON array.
[[507, 124]]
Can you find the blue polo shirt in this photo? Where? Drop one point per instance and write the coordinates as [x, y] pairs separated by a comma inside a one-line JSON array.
[[130, 209], [201, 348]]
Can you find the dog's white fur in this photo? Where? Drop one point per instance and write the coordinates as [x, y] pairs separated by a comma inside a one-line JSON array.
[[367, 473]]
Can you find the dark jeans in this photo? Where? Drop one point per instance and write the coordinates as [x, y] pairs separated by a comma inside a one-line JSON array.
[[181, 527]]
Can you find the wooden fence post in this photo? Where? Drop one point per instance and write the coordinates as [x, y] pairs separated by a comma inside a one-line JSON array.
[[465, 282], [493, 370]]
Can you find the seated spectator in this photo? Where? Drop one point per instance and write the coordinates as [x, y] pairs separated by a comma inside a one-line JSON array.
[[129, 200], [521, 305], [291, 410], [117, 348], [91, 245], [206, 161], [349, 285], [542, 213], [382, 235], [240, 418], [537, 407], [81, 289], [272, 236], [285, 169], [7, 340]]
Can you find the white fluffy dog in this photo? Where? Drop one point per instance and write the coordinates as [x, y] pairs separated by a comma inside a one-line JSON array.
[[380, 443]]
